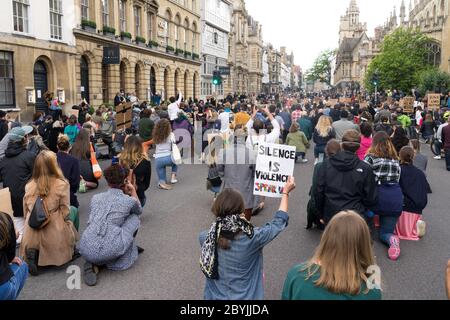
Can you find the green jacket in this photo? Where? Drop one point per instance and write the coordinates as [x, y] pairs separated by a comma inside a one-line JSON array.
[[404, 120], [306, 127], [298, 140], [298, 287]]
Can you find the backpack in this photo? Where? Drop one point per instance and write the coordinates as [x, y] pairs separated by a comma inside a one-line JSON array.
[[39, 216]]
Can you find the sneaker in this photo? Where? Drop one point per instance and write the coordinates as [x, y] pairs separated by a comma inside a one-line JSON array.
[[90, 274], [32, 261], [438, 158], [174, 181], [421, 228], [305, 161], [394, 248], [164, 187]]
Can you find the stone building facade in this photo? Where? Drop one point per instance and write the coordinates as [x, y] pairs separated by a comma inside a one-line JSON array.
[[255, 53], [355, 52], [37, 54], [432, 18], [159, 43], [272, 80], [246, 52]]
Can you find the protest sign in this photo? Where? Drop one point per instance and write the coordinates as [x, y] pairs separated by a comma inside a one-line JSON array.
[[5, 201], [407, 103], [124, 116], [333, 102], [434, 100], [274, 165]]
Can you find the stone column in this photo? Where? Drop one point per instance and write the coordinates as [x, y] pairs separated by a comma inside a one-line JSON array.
[[116, 17]]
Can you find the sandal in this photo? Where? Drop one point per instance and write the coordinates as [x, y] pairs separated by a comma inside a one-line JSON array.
[[90, 276]]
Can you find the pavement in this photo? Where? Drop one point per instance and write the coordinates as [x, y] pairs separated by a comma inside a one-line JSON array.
[[169, 267]]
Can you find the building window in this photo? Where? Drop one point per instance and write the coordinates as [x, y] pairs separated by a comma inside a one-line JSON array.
[[85, 9], [20, 14], [216, 38], [434, 54], [56, 19], [105, 12], [137, 21], [122, 15], [7, 95], [150, 20]]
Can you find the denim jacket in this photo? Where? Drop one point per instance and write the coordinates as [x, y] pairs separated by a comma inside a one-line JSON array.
[[241, 267]]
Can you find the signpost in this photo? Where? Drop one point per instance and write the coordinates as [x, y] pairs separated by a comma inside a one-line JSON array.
[[434, 100], [224, 71], [274, 165]]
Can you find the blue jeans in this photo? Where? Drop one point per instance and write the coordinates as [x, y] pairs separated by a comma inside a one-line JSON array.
[[11, 289], [387, 227], [299, 155], [161, 164], [318, 150]]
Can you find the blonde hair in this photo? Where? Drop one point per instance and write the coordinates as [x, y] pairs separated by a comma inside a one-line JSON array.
[[46, 170], [324, 126], [344, 255], [133, 153]]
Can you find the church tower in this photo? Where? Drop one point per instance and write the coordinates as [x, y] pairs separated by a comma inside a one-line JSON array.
[[350, 26], [403, 14]]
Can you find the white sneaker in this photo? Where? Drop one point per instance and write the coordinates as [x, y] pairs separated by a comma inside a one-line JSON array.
[[421, 228], [305, 161], [174, 181], [438, 158]]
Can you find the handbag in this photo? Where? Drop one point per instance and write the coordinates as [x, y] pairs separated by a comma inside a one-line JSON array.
[[390, 200], [39, 216], [83, 187], [176, 155], [214, 178]]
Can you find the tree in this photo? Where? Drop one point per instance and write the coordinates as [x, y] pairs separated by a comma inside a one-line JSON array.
[[321, 69], [401, 61], [434, 80]]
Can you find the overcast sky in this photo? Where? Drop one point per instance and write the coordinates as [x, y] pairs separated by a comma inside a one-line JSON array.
[[309, 26]]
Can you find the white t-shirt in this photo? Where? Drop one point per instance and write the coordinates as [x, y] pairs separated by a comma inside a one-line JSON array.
[[174, 108], [224, 118]]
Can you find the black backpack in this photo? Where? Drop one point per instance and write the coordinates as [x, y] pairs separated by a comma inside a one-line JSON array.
[[39, 216]]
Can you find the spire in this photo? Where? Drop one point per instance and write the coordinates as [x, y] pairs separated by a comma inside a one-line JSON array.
[[402, 13]]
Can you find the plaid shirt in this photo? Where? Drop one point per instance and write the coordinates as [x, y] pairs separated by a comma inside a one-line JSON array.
[[296, 115], [385, 170]]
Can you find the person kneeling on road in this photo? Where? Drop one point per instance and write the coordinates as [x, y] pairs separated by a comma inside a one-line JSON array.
[[109, 239]]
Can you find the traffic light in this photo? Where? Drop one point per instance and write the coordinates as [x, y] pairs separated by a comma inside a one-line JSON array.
[[217, 78], [376, 79]]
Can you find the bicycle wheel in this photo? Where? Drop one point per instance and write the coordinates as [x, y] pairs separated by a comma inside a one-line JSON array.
[[434, 147]]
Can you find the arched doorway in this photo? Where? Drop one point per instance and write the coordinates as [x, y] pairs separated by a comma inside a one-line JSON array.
[[152, 81], [137, 81], [166, 84], [84, 75], [40, 85], [123, 71]]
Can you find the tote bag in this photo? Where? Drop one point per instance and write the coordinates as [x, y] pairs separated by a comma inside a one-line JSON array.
[[176, 154]]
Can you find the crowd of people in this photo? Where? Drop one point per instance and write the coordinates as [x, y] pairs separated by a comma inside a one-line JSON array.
[[369, 178]]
